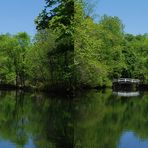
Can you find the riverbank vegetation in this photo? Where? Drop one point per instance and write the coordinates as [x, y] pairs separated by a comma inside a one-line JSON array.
[[70, 50], [104, 51]]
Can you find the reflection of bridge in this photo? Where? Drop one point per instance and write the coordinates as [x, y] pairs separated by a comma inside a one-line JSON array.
[[127, 94], [126, 80]]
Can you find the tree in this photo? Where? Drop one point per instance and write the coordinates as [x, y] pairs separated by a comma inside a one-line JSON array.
[[58, 16], [13, 49]]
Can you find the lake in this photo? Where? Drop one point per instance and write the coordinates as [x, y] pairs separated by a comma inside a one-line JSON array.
[[111, 120], [35, 121], [93, 119]]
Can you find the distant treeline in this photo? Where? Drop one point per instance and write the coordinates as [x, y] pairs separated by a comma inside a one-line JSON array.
[[71, 50]]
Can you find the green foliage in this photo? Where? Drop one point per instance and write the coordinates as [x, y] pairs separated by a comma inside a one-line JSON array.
[[57, 17], [71, 50], [13, 51], [104, 52], [38, 68]]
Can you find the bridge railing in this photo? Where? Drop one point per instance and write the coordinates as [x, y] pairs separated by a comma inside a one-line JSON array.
[[124, 80]]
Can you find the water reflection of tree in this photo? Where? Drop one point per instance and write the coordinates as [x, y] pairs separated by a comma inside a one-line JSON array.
[[57, 122], [11, 119], [101, 119], [47, 120]]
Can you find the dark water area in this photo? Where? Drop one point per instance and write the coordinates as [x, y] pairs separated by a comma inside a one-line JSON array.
[[94, 119]]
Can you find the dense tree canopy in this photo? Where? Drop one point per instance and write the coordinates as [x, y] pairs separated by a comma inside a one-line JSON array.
[[58, 17], [103, 51], [71, 50]]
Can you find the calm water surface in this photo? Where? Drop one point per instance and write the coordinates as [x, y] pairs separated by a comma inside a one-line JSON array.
[[91, 120], [35, 121], [111, 120]]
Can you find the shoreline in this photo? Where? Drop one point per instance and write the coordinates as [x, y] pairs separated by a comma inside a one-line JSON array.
[[10, 87]]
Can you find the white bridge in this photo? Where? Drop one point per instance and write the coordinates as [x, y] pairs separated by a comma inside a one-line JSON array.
[[126, 80]]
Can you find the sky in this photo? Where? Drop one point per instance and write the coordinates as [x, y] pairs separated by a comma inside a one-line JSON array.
[[18, 15], [132, 13]]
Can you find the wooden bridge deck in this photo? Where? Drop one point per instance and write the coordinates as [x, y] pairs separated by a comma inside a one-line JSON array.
[[126, 80]]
